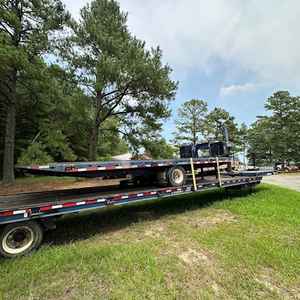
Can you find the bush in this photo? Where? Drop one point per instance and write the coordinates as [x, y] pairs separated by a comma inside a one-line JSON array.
[[35, 154]]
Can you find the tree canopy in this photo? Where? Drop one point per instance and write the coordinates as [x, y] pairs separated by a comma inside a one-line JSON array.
[[190, 121], [123, 79], [108, 92], [25, 31], [275, 138]]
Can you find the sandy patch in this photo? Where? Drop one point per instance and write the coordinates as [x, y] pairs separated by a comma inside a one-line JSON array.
[[219, 217], [155, 231], [192, 256], [267, 278]]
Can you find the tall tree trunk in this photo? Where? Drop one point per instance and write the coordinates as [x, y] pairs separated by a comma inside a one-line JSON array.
[[194, 131], [93, 143], [10, 130]]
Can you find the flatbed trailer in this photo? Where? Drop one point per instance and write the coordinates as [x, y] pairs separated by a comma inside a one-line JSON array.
[[25, 216], [100, 168], [149, 171]]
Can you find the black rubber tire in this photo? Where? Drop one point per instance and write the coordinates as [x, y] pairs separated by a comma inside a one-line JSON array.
[[34, 231], [171, 174]]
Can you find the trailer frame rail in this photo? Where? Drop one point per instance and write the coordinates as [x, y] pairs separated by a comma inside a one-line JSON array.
[[77, 205]]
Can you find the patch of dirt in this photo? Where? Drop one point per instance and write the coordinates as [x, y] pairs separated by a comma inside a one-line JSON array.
[[267, 278], [154, 231], [202, 272], [192, 257], [94, 287], [137, 232], [45, 185], [219, 217]]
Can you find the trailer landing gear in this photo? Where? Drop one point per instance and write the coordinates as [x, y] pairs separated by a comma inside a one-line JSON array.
[[18, 239]]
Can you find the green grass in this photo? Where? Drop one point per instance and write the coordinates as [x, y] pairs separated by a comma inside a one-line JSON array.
[[207, 246]]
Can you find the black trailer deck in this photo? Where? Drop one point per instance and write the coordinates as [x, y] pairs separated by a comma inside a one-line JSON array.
[[27, 206], [24, 216]]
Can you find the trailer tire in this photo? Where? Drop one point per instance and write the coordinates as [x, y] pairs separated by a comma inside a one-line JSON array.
[[176, 176], [19, 239]]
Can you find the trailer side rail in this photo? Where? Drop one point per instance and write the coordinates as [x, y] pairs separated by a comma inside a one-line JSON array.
[[97, 201]]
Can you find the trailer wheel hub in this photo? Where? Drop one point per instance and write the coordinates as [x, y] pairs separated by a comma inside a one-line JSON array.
[[18, 240], [177, 176]]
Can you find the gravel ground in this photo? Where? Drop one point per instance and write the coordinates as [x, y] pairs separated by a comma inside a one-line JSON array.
[[291, 181]]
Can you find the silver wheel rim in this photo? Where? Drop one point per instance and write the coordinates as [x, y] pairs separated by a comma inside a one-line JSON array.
[[177, 176], [18, 240]]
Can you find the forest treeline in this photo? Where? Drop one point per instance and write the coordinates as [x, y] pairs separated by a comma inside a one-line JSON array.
[[272, 138], [76, 90], [89, 89]]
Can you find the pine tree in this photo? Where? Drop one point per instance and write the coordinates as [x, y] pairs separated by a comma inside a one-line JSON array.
[[123, 79], [25, 29], [190, 121]]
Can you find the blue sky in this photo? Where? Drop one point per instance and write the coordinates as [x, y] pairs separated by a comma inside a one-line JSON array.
[[231, 53]]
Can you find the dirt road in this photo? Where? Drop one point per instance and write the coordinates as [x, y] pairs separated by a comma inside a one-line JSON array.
[[291, 181]]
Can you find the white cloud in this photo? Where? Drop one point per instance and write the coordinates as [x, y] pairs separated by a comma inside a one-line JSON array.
[[254, 36], [237, 89]]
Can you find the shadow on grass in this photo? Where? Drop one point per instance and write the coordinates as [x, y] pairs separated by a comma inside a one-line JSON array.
[[80, 227]]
